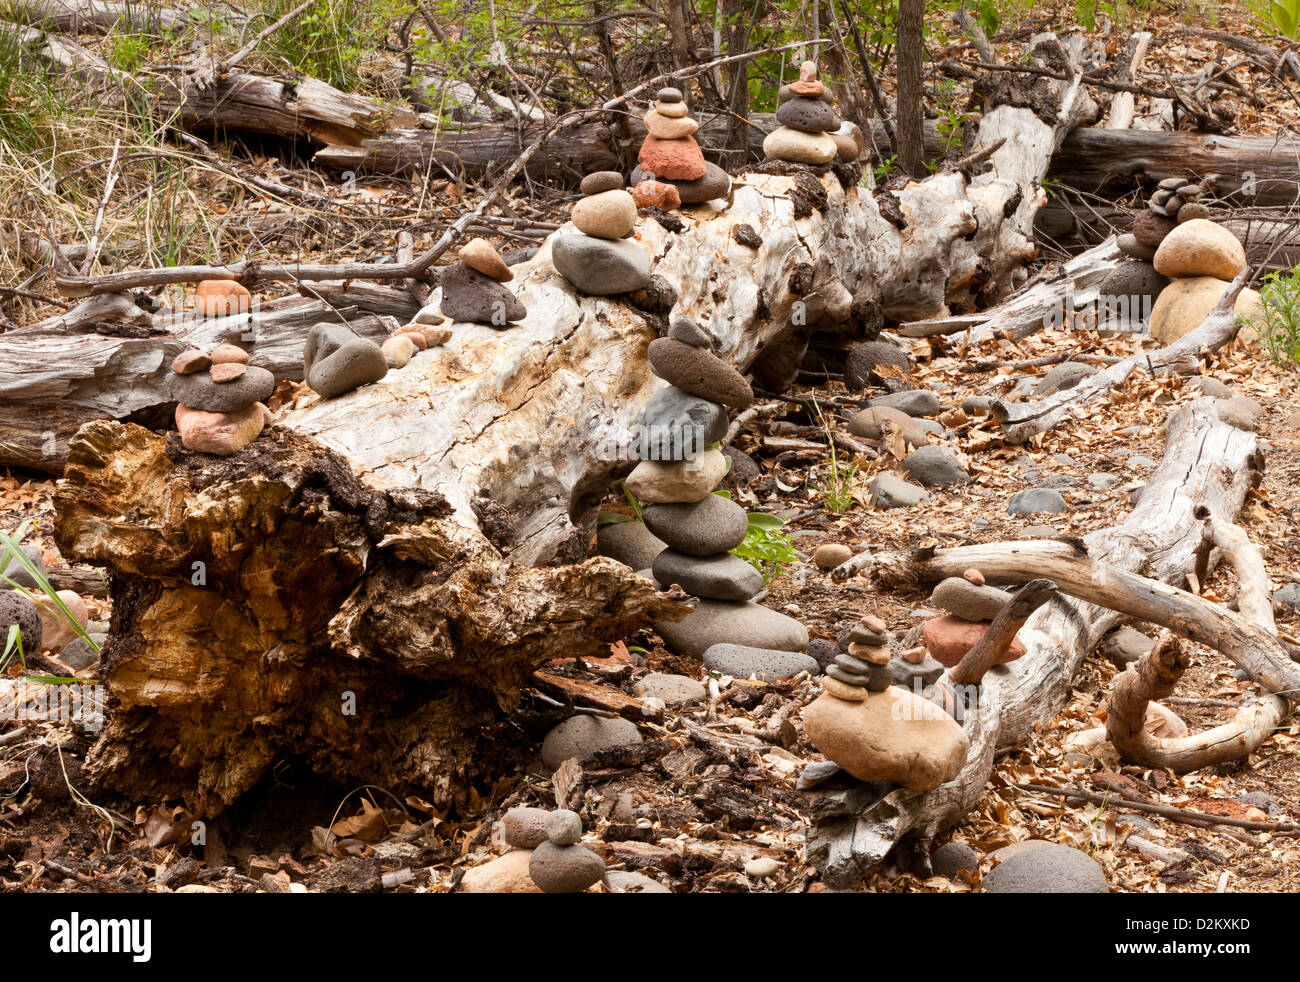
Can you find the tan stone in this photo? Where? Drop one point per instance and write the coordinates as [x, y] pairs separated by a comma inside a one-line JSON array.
[[608, 215], [893, 735], [227, 371], [668, 128], [671, 110], [432, 334], [1183, 304], [479, 255], [831, 554], [55, 630], [1163, 723], [398, 350], [842, 690], [505, 874], [229, 354], [873, 653], [665, 482], [868, 422], [784, 143], [1200, 248], [221, 298]]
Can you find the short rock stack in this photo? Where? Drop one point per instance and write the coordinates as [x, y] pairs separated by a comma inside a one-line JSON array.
[[1178, 199], [219, 399], [674, 481], [1200, 257], [807, 120], [877, 731], [670, 154], [971, 607], [561, 864], [472, 290], [602, 258]]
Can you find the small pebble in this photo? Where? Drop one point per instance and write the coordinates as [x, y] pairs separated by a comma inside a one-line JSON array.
[[564, 827], [974, 576], [227, 371], [762, 867]]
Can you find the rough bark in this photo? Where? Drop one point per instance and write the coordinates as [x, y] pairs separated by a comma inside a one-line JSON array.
[[1206, 463]]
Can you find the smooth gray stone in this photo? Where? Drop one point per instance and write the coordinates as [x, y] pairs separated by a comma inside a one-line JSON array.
[[563, 827], [677, 425], [15, 571], [745, 661], [1037, 501], [1210, 386], [952, 857], [723, 621], [854, 666], [914, 402], [580, 736], [699, 528], [674, 690], [77, 654], [816, 773], [1125, 646], [1239, 412], [564, 869], [848, 678], [934, 467], [600, 267], [1050, 868], [1139, 461], [631, 543], [1061, 377], [889, 491], [686, 330], [198, 391], [1288, 594], [719, 577], [976, 405], [336, 361], [471, 297], [1102, 482], [1261, 800], [908, 675], [969, 601]]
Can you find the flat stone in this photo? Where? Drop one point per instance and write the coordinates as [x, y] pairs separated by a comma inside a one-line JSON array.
[[1139, 462], [191, 361], [630, 543], [472, 298], [952, 857], [818, 772], [601, 180], [677, 481], [935, 466], [200, 392], [1102, 482], [222, 434], [762, 867], [581, 736], [793, 90], [810, 115], [841, 690], [1061, 377], [890, 491], [744, 661], [671, 110], [1037, 501], [623, 881], [1050, 868], [608, 215], [666, 127], [918, 676], [565, 869], [229, 354], [1259, 799], [1200, 248], [869, 423], [948, 638], [674, 690], [337, 361], [892, 736], [669, 94], [701, 528], [505, 874], [600, 267], [699, 372], [798, 147], [969, 601], [719, 577], [914, 402], [677, 425], [723, 621]]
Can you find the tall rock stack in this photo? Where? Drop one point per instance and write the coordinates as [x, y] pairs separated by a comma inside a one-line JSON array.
[[679, 469], [670, 154], [219, 399], [807, 120], [600, 255]]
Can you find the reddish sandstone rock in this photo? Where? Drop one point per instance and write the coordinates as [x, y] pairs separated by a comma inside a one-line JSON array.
[[220, 433], [227, 371], [677, 160], [191, 361], [221, 298], [948, 638], [656, 194]]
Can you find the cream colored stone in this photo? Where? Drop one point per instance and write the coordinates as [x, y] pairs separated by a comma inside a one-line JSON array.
[[669, 128], [608, 215], [670, 110], [505, 874], [784, 143], [398, 350], [1183, 304], [665, 482], [1200, 248]]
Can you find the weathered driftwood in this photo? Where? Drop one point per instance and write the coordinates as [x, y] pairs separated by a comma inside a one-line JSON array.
[[331, 579], [78, 16], [1155, 676], [1206, 463], [1022, 420], [108, 359]]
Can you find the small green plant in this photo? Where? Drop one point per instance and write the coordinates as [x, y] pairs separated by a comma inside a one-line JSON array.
[[1280, 16], [835, 478], [1278, 324], [885, 168], [766, 546], [13, 560]]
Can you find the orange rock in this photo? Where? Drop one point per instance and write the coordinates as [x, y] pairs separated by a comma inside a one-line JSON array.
[[191, 361], [417, 338], [973, 575], [677, 160], [224, 354], [948, 638], [227, 371], [812, 89], [478, 254], [221, 298], [656, 194]]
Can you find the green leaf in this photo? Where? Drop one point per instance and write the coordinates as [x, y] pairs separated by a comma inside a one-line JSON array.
[[612, 518], [762, 520]]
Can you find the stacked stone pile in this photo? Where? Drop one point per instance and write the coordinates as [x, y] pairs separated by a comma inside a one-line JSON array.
[[671, 156], [600, 255], [807, 122], [219, 399]]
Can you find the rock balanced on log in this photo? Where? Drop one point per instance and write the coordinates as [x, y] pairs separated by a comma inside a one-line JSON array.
[[219, 397], [807, 120], [671, 156], [600, 255]]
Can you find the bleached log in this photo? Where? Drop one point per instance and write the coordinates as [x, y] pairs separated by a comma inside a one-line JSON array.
[[1206, 464]]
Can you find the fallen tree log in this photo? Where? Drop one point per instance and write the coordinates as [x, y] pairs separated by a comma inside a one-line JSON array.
[[362, 542], [1206, 464]]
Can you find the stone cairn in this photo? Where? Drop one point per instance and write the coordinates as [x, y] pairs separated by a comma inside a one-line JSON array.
[[219, 399], [876, 730], [1174, 292], [671, 156], [602, 257], [472, 290], [561, 864], [807, 120], [970, 607]]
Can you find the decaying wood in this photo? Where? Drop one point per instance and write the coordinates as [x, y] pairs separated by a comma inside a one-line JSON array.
[[1155, 676], [1205, 463], [1022, 420]]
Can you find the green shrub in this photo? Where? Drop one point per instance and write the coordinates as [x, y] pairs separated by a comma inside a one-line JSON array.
[[1280, 331]]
